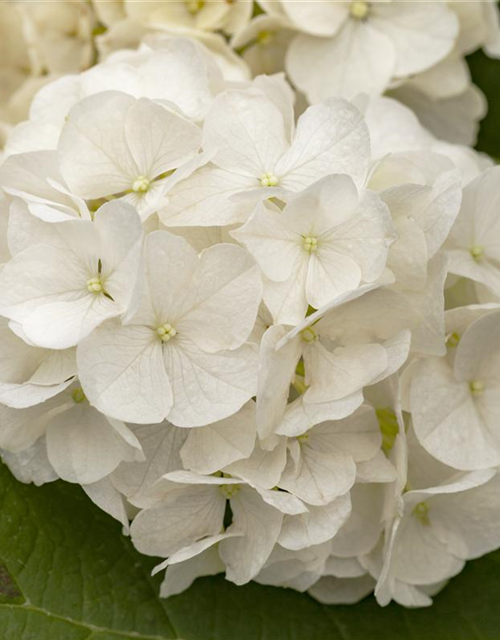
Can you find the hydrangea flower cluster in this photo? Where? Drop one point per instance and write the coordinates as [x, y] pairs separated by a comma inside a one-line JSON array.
[[227, 323]]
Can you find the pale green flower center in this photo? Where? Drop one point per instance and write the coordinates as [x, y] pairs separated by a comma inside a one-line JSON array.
[[229, 490], [303, 438], [141, 184], [94, 285], [269, 180], [421, 512], [309, 335], [477, 252], [476, 387], [310, 244], [359, 10], [78, 395], [166, 332]]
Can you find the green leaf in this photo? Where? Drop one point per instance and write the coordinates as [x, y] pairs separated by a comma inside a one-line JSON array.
[[67, 573]]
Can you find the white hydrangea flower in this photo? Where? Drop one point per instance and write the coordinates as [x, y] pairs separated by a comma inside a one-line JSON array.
[[82, 444], [195, 511], [454, 402], [60, 291], [183, 353], [257, 153], [322, 459], [362, 46], [473, 245], [324, 243], [113, 144], [441, 526]]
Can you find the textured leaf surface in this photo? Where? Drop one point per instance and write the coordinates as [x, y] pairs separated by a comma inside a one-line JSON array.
[[67, 573]]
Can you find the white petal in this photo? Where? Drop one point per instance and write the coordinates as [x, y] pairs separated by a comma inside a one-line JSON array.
[[181, 576], [357, 435], [193, 550], [331, 138], [182, 517], [208, 387], [104, 494], [269, 238], [248, 132], [161, 444], [123, 374], [421, 35], [263, 468], [319, 477], [94, 154], [209, 449], [433, 208], [472, 515], [221, 306], [378, 469], [204, 199], [84, 447], [362, 530], [276, 372], [287, 300], [446, 421], [22, 427], [330, 590], [334, 375], [260, 523], [358, 59], [318, 525], [301, 416], [283, 501], [329, 275], [31, 464]]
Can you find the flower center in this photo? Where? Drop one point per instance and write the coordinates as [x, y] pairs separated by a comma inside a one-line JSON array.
[[310, 244], [94, 285], [421, 511], [303, 438], [166, 332], [476, 387], [477, 252], [309, 335], [141, 184], [268, 180], [78, 395], [359, 10], [229, 490]]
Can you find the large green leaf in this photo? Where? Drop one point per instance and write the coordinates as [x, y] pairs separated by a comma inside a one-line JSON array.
[[67, 573]]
